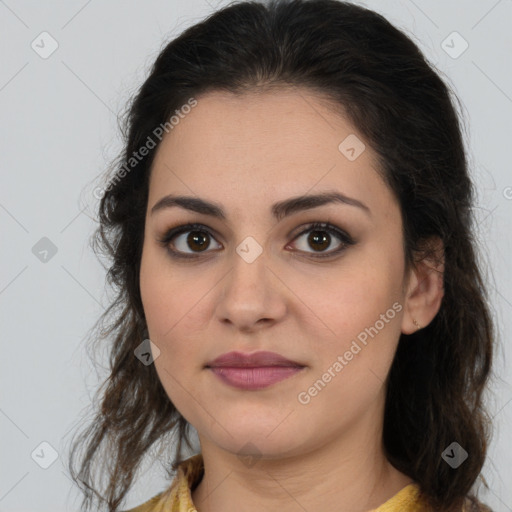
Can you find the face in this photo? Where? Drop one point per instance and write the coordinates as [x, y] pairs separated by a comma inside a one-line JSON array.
[[328, 298]]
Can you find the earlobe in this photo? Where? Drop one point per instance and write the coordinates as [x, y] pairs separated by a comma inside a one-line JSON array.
[[425, 291], [415, 322]]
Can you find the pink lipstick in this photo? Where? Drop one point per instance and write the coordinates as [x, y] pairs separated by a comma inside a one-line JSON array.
[[253, 371]]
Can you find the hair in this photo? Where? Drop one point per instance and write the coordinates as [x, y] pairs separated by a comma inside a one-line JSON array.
[[377, 76]]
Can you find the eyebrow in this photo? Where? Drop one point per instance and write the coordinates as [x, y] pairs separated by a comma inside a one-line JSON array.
[[279, 210]]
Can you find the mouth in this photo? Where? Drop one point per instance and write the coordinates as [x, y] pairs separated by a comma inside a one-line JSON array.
[[253, 371], [254, 378], [252, 360]]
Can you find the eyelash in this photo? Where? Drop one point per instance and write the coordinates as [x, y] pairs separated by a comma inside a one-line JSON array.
[[315, 226]]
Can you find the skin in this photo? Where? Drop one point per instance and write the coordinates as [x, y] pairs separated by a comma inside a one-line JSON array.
[[245, 153]]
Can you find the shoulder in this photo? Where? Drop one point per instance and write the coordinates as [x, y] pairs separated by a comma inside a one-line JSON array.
[[472, 504], [412, 499], [151, 505], [178, 495]]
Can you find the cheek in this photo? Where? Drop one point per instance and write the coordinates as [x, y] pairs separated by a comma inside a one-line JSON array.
[[169, 294], [179, 361], [170, 300], [171, 328], [356, 315], [345, 300], [350, 373]]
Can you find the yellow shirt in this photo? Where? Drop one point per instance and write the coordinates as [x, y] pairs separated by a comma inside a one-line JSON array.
[[178, 497]]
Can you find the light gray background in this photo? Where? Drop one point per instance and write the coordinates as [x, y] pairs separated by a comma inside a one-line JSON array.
[[59, 133]]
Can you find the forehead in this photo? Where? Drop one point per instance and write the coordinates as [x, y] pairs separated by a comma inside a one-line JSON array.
[[261, 147]]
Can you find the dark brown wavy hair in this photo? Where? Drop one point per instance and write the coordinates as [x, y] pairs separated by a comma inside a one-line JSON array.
[[381, 81]]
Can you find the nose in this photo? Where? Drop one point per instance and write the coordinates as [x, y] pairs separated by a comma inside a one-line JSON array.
[[252, 295]]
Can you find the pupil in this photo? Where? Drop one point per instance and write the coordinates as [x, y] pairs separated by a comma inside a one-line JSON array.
[[196, 239], [314, 238]]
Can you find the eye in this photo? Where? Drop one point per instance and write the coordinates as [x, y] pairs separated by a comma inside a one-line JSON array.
[[194, 236], [198, 238], [320, 237]]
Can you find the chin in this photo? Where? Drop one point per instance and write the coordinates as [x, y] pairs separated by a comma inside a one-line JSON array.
[[253, 441]]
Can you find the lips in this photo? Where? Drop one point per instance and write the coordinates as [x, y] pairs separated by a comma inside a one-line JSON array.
[[255, 360], [253, 371]]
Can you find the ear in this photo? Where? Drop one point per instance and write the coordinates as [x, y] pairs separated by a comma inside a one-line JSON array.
[[425, 288]]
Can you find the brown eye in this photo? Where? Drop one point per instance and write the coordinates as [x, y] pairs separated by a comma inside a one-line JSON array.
[[320, 237], [319, 240], [198, 239], [191, 241]]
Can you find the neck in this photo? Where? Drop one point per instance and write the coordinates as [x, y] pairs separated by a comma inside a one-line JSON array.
[[348, 473]]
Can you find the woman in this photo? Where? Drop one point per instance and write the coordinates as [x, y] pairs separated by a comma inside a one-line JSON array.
[[291, 239]]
